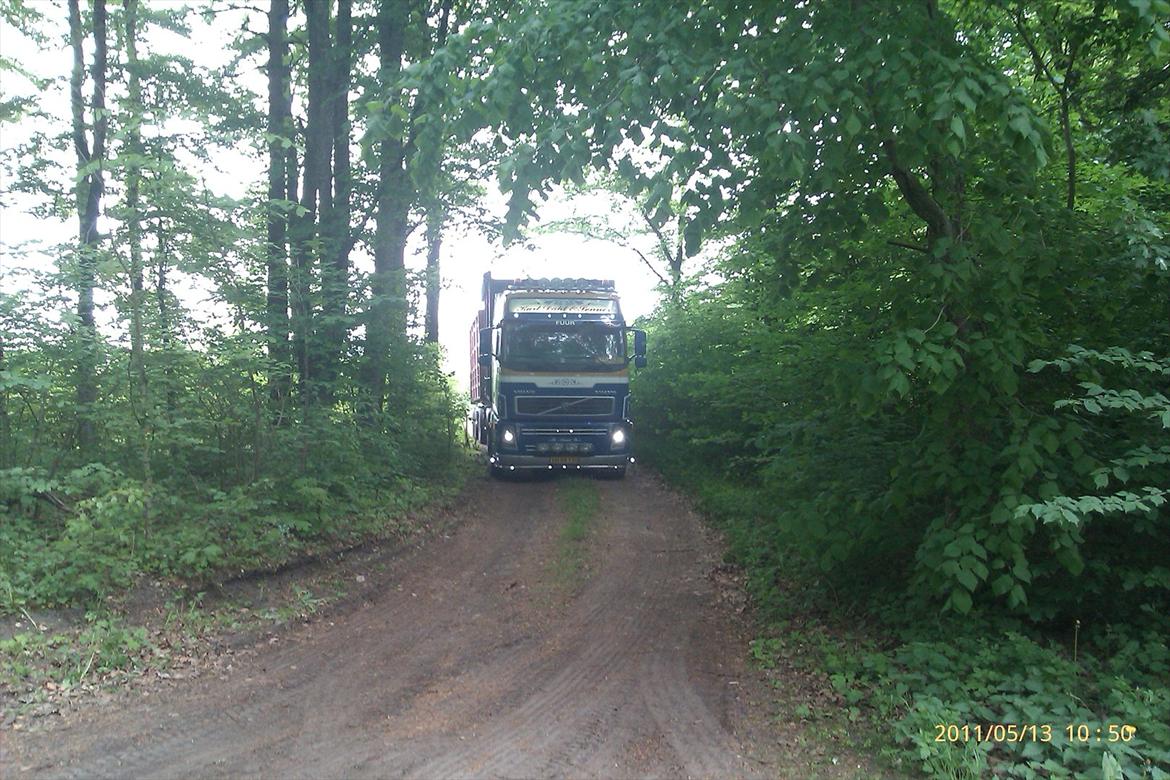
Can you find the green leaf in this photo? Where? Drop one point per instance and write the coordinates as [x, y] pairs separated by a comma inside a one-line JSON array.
[[967, 578], [852, 125], [960, 601], [957, 127]]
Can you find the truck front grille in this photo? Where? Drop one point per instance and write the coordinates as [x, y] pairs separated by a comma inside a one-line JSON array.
[[564, 406]]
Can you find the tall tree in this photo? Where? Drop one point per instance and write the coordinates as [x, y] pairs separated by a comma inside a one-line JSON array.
[[386, 319], [315, 194], [5, 424], [90, 149], [336, 212], [436, 212], [436, 216], [280, 132], [319, 230], [134, 228]]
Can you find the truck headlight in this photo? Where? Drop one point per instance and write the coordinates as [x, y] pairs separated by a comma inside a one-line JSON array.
[[618, 438], [509, 436]]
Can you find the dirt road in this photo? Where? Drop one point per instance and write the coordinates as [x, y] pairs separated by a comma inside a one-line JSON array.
[[502, 648]]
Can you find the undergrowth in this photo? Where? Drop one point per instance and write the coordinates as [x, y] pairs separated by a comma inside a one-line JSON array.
[[104, 530], [908, 672]]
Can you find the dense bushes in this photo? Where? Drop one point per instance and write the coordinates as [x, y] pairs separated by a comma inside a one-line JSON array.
[[895, 417], [765, 433], [936, 494], [1089, 715], [207, 479]]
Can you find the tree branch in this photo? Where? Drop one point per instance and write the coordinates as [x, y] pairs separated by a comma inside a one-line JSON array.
[[649, 265], [906, 245], [1037, 60], [917, 197], [663, 244]]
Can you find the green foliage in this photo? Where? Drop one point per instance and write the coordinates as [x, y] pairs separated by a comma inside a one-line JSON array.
[[227, 489], [202, 451], [101, 647], [1009, 678], [903, 252]]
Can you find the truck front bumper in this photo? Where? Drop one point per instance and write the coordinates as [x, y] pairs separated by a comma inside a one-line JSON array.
[[511, 461]]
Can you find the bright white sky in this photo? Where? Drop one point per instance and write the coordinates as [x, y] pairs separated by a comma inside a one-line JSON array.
[[465, 257]]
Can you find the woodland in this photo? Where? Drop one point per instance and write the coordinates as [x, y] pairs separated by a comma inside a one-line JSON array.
[[912, 353]]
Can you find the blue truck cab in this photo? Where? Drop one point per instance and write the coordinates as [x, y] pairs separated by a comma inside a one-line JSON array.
[[550, 377]]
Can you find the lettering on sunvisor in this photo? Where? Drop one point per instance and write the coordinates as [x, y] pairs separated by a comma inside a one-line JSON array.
[[594, 306]]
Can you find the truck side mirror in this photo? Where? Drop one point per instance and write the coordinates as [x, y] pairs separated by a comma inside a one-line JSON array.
[[640, 346], [485, 346]]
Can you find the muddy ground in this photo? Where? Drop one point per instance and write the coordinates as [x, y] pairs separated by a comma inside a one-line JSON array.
[[499, 648]]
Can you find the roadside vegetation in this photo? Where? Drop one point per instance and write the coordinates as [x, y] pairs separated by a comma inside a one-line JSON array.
[[913, 351], [196, 387], [927, 401]]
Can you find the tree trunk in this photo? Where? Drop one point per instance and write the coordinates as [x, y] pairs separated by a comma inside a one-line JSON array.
[[163, 307], [280, 130], [5, 425], [140, 390], [316, 199], [336, 218], [90, 185], [435, 219], [436, 213], [386, 322], [1070, 150]]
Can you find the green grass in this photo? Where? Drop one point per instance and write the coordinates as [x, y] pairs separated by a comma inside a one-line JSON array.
[[579, 501]]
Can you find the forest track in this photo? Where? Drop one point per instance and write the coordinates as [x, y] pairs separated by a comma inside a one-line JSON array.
[[472, 657]]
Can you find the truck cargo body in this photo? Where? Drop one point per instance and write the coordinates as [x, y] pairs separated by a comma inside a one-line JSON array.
[[550, 375]]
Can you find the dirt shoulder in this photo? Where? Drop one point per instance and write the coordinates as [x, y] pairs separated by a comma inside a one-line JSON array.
[[476, 654]]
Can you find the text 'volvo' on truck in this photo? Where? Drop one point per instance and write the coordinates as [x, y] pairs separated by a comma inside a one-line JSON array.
[[550, 377]]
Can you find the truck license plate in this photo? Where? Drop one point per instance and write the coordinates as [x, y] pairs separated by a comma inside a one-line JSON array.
[[563, 459]]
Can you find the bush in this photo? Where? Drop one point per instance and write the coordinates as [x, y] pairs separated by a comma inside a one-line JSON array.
[[970, 681]]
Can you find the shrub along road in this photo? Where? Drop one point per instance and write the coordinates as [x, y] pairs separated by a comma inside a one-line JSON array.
[[563, 627]]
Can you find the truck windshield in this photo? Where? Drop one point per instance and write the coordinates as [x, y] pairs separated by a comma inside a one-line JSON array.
[[581, 345]]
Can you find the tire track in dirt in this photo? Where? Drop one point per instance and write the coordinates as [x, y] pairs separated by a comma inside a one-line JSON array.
[[468, 660]]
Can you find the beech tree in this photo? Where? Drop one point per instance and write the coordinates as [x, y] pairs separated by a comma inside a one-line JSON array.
[[89, 144], [280, 157]]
